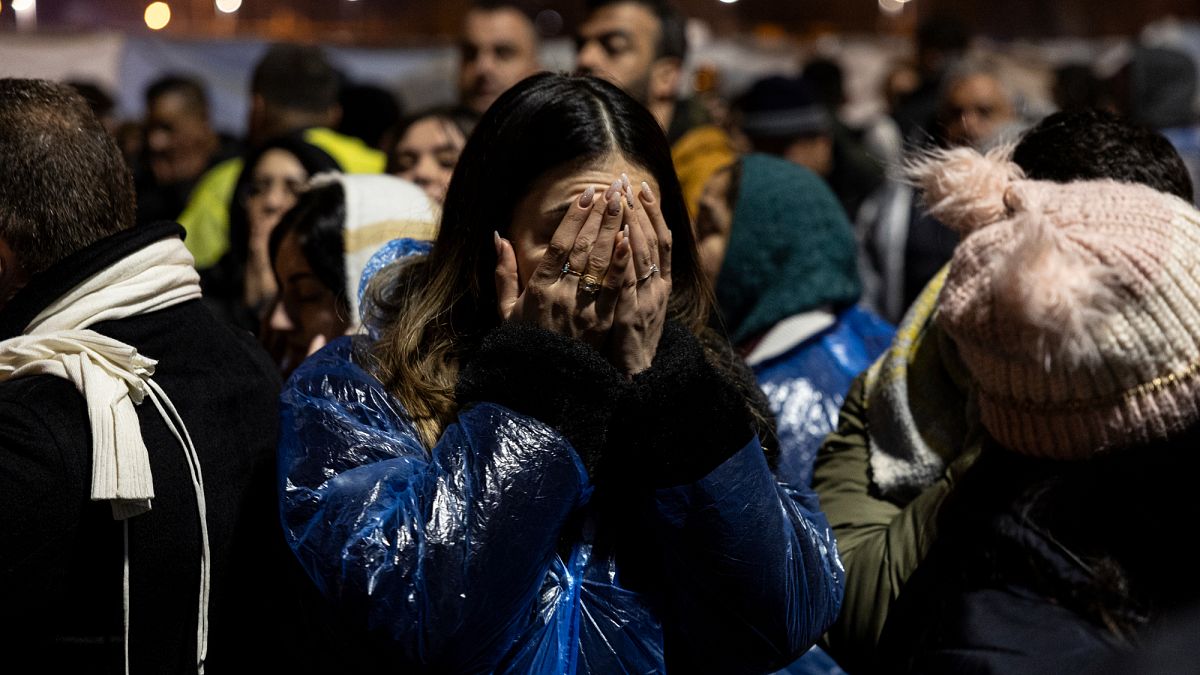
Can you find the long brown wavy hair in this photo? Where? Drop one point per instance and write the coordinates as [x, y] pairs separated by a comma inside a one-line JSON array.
[[437, 309]]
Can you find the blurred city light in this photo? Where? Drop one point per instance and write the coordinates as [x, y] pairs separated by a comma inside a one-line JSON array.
[[229, 6], [158, 15], [22, 5]]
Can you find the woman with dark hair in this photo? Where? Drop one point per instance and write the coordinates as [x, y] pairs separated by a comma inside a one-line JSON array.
[[241, 286], [426, 146], [547, 462], [321, 247]]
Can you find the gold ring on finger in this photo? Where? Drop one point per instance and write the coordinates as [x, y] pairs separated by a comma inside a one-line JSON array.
[[589, 283], [566, 269]]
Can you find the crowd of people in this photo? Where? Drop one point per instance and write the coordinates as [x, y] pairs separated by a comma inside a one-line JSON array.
[[578, 375]]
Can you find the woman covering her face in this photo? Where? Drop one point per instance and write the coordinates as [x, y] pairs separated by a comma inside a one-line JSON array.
[[546, 463], [241, 286]]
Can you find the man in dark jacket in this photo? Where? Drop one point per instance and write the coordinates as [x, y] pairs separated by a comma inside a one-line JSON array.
[[136, 432]]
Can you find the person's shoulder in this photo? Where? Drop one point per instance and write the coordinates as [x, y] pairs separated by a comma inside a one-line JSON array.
[[349, 152], [189, 340], [21, 395], [220, 178], [334, 373], [245, 356], [874, 332], [42, 411], [700, 140]]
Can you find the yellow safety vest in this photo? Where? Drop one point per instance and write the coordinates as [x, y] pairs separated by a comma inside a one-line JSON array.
[[206, 216]]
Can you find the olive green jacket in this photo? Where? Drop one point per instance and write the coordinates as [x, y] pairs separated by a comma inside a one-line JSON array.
[[883, 537]]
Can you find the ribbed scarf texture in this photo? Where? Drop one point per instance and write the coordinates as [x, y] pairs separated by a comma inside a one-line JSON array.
[[113, 377]]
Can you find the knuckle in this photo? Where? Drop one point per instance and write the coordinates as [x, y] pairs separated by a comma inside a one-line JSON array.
[[556, 249], [583, 245]]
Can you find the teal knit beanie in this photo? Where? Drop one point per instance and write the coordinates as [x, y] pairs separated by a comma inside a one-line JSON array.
[[791, 249]]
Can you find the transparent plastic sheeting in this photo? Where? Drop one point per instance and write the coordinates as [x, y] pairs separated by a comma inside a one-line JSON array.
[[478, 556], [806, 386]]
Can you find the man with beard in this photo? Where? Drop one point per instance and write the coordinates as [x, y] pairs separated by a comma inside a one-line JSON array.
[[640, 46]]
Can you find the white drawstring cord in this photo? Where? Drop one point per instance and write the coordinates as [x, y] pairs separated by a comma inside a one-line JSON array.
[[180, 431], [57, 342], [125, 592]]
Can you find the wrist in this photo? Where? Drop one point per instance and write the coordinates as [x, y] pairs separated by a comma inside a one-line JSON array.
[[683, 416], [551, 377]]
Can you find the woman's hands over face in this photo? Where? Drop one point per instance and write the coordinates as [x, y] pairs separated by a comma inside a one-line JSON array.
[[557, 296], [642, 303], [604, 278]]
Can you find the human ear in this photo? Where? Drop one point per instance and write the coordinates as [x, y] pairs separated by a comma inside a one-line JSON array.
[[12, 277]]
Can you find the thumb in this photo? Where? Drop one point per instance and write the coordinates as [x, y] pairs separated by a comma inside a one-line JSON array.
[[507, 290], [318, 341]]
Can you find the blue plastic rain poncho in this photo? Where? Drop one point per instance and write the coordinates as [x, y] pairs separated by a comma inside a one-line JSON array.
[[484, 554], [807, 384]]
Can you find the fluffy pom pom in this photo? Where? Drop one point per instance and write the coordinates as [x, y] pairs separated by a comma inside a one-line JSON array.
[[1045, 284], [962, 188]]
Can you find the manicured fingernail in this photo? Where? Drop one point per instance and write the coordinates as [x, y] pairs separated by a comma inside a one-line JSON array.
[[585, 200], [628, 195], [647, 193], [614, 205], [625, 232], [614, 189], [625, 179], [496, 238]]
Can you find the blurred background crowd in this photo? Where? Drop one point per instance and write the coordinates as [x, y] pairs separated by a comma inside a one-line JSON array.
[[268, 130], [844, 91]]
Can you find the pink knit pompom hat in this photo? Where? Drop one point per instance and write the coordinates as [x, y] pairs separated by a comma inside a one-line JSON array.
[[1076, 307]]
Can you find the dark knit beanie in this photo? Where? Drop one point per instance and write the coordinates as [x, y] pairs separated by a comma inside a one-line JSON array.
[[791, 249], [783, 107]]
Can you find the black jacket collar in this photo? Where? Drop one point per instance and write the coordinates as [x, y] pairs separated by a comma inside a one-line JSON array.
[[50, 285]]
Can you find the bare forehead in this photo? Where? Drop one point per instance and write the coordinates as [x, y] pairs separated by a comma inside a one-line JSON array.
[[497, 26], [278, 161], [977, 85], [430, 131], [631, 18]]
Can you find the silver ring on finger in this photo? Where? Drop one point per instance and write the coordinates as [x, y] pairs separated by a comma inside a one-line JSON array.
[[651, 272]]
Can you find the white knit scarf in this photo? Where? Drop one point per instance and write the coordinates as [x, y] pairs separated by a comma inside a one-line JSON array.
[[113, 377]]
